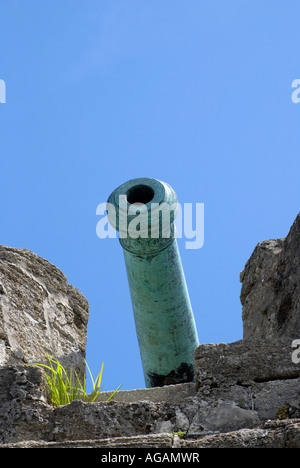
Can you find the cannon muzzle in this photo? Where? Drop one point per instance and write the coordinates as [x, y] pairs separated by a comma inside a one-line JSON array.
[[143, 210]]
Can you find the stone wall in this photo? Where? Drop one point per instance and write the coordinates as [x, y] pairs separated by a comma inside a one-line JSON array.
[[40, 313], [270, 292], [246, 394], [222, 419]]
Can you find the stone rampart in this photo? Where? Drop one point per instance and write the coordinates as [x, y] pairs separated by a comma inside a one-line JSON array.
[[245, 394]]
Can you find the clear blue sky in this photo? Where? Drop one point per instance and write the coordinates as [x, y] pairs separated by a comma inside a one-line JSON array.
[[196, 93]]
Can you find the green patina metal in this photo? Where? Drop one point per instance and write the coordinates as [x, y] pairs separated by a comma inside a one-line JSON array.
[[143, 211]]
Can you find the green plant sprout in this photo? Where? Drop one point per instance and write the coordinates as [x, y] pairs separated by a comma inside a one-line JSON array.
[[65, 387], [179, 433]]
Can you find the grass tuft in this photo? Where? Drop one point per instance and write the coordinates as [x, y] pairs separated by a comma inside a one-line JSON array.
[[66, 387]]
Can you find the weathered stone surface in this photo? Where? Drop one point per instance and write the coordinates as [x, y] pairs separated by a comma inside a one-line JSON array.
[[242, 361], [24, 412], [174, 394], [40, 313], [272, 434], [136, 442], [219, 415], [276, 399], [81, 420], [270, 292], [258, 376]]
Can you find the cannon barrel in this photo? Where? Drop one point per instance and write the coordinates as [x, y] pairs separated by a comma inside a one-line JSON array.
[[143, 211]]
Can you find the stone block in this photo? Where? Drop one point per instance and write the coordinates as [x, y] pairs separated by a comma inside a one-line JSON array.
[[173, 394], [40, 313], [80, 420], [243, 361], [24, 412], [270, 293]]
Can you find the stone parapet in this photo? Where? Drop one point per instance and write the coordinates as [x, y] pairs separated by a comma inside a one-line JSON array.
[[40, 313], [245, 394]]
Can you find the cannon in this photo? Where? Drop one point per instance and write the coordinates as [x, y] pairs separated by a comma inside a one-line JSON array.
[[143, 211]]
